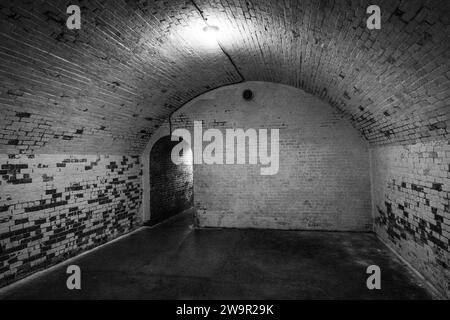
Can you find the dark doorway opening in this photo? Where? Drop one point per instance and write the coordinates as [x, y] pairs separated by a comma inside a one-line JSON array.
[[171, 185]]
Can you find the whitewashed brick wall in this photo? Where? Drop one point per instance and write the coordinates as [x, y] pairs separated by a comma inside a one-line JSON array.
[[411, 186]]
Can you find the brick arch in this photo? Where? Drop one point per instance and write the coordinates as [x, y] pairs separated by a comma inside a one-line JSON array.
[[318, 151], [108, 86]]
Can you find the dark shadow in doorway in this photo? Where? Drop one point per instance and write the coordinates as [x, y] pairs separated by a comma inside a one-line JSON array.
[[171, 185]]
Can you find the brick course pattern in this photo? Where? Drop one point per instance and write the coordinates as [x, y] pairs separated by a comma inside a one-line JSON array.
[[323, 181], [109, 85], [411, 187], [53, 207], [393, 84]]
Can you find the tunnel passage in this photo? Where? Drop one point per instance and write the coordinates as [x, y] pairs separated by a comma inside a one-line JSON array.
[[323, 180], [171, 185], [70, 95]]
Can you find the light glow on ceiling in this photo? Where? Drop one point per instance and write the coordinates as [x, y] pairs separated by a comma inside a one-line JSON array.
[[197, 35]]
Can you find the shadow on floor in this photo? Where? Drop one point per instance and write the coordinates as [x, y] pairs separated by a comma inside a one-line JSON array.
[[176, 261]]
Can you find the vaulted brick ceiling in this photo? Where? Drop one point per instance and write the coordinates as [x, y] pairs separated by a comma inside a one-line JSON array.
[[106, 87]]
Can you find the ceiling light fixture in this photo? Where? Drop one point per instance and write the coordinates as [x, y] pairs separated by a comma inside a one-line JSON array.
[[210, 35], [211, 29]]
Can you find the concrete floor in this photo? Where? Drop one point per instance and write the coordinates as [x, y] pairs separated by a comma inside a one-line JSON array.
[[175, 261]]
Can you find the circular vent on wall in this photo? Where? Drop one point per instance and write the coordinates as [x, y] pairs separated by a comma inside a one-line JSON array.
[[247, 94]]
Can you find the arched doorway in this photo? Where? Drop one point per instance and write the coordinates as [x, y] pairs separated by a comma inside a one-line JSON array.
[[171, 185]]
